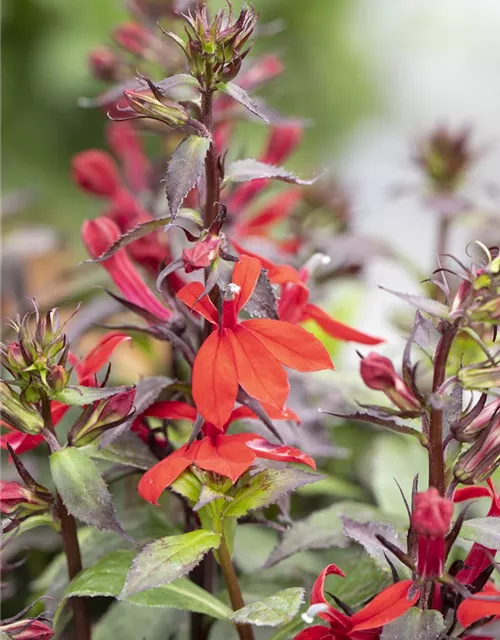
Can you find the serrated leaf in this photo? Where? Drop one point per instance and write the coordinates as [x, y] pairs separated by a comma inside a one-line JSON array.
[[364, 533], [115, 93], [251, 169], [127, 450], [372, 416], [79, 396], [146, 393], [107, 577], [415, 624], [242, 97], [272, 611], [432, 307], [83, 490], [265, 488], [187, 485], [167, 559], [184, 170], [263, 302], [485, 531]]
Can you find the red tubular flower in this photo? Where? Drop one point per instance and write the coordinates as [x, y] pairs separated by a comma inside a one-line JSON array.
[[473, 609], [95, 172], [274, 210], [98, 235], [85, 371], [378, 373], [123, 139], [479, 557], [431, 519], [250, 352], [365, 624], [227, 455]]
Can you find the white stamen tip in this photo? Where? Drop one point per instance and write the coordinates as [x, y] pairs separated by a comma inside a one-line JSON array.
[[313, 611], [315, 261]]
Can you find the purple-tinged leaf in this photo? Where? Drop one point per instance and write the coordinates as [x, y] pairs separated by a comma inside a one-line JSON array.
[[115, 93], [389, 421], [251, 169], [184, 170], [146, 393], [242, 97], [263, 303], [167, 559], [79, 396], [83, 490], [431, 307]]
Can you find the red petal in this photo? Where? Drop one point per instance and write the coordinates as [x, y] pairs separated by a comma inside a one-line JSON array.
[[246, 272], [95, 172], [98, 235], [214, 380], [272, 412], [259, 373], [316, 633], [171, 410], [470, 493], [99, 355], [57, 411], [472, 609], [318, 597], [338, 329], [126, 144], [284, 138], [290, 344], [205, 307], [276, 209], [224, 455], [387, 606], [281, 453], [158, 478], [20, 442]]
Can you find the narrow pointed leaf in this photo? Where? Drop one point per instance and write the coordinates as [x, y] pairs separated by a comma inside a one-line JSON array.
[[431, 307], [266, 487], [107, 576], [79, 396], [251, 169], [184, 169], [240, 95], [167, 559], [393, 423], [277, 609], [83, 490], [415, 624]]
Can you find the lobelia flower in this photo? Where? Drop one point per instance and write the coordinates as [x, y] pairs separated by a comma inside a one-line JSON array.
[[378, 373], [471, 610], [365, 624], [27, 629], [479, 557], [430, 520], [226, 455], [85, 370], [249, 353]]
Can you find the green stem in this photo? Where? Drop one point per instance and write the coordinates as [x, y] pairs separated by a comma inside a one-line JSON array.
[[245, 631]]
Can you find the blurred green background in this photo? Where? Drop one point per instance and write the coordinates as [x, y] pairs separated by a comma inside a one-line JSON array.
[[45, 45]]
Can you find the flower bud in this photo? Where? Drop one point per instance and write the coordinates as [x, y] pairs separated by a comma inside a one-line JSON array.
[[133, 37], [95, 171], [202, 254], [58, 378], [146, 104], [104, 64], [482, 458], [378, 373], [102, 415], [432, 514], [16, 414], [27, 629], [479, 378], [19, 502], [482, 420]]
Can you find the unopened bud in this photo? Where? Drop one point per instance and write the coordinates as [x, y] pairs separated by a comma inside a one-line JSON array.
[[19, 502], [58, 378], [145, 104], [133, 37], [479, 378], [202, 254], [378, 373], [104, 64], [26, 629], [482, 420], [432, 514], [482, 458], [16, 414], [95, 171]]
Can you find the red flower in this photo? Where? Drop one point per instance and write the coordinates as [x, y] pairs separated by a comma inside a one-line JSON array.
[[378, 373], [85, 370], [96, 172], [473, 609], [249, 352], [98, 235], [431, 519], [229, 456], [479, 558], [365, 624]]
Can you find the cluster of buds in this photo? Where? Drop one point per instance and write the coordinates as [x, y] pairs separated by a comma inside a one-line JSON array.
[[215, 50], [378, 373], [153, 104], [444, 157], [37, 359]]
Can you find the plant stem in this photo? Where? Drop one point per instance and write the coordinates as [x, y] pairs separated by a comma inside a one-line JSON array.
[[436, 448], [212, 181], [71, 545], [231, 579]]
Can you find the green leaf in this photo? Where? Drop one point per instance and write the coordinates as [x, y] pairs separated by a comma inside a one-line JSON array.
[[240, 95], [83, 489], [333, 486], [485, 531], [272, 611], [78, 396], [187, 485], [251, 169], [129, 622], [166, 559], [184, 169], [107, 577], [321, 530], [415, 625], [127, 450], [265, 488]]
